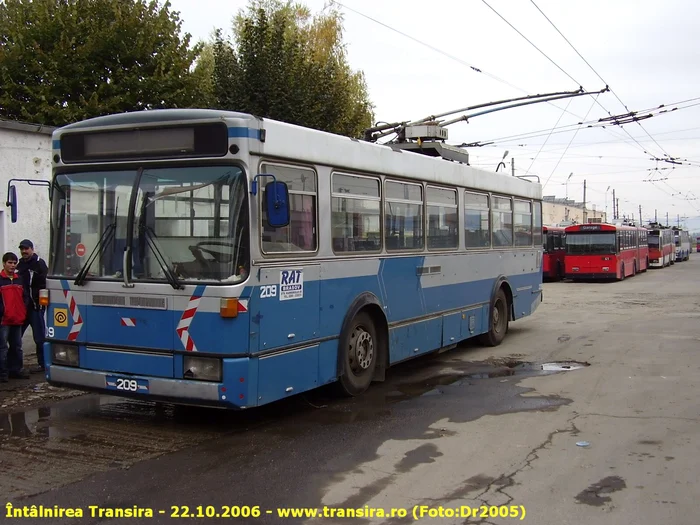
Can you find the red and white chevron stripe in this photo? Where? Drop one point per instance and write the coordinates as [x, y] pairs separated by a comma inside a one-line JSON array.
[[75, 313], [128, 321], [183, 326]]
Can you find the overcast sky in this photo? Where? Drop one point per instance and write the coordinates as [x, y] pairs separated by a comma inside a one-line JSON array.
[[647, 51]]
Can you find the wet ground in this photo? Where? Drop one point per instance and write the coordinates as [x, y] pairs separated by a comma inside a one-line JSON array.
[[587, 413]]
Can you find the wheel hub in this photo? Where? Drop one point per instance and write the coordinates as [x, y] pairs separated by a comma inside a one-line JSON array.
[[362, 350]]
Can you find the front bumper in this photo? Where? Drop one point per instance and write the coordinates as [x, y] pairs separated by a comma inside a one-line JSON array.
[[178, 391]]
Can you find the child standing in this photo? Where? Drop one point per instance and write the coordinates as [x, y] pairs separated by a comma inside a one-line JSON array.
[[14, 301]]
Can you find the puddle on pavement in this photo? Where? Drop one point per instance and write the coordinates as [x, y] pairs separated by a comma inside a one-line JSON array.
[[72, 419], [502, 369]]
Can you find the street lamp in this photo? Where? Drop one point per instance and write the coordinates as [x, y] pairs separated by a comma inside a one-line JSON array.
[[567, 185], [502, 159], [606, 203]]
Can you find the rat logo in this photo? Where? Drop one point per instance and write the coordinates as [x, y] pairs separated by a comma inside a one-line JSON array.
[[291, 284]]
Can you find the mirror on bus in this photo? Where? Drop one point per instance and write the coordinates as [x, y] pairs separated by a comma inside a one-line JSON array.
[[12, 202], [277, 204]]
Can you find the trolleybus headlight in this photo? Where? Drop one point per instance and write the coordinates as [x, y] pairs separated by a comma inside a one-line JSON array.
[[202, 368], [65, 355]]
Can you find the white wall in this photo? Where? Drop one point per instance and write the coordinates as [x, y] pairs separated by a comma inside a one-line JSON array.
[[25, 155], [555, 213]]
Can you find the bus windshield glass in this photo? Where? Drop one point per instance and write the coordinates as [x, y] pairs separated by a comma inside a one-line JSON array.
[[586, 243], [188, 222], [653, 241]]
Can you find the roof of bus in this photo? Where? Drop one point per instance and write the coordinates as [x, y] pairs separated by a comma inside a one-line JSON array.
[[288, 141], [601, 227], [553, 228]]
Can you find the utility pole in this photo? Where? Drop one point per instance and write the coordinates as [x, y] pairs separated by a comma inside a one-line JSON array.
[[656, 217], [613, 203], [679, 221], [640, 214], [666, 219], [512, 165], [584, 202], [617, 208]]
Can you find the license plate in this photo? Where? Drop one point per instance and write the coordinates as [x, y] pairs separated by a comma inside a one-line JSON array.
[[125, 384]]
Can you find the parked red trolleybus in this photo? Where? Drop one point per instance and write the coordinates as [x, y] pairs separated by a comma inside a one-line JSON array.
[[554, 252], [605, 251], [662, 250]]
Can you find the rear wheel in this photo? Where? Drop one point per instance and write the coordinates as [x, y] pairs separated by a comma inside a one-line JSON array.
[[622, 273], [359, 352], [498, 325]]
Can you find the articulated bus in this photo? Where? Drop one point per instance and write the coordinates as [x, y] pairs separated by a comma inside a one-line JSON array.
[[214, 258], [661, 247], [605, 251], [554, 252], [681, 239]]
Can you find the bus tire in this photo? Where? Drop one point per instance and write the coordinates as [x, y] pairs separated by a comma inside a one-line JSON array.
[[634, 269], [622, 273], [359, 352], [498, 321]]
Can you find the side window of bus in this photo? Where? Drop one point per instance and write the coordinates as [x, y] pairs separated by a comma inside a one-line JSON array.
[[502, 217], [442, 218], [537, 223], [355, 214], [300, 235], [476, 220], [523, 223], [403, 216]]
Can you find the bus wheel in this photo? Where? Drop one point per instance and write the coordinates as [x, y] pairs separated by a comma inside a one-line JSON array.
[[359, 353], [634, 269], [622, 273], [498, 325]]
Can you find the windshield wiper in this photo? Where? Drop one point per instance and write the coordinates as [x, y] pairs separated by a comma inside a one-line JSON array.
[[109, 232], [152, 244], [104, 239]]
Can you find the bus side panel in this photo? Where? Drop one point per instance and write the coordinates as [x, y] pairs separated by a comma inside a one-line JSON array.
[[288, 373], [526, 292], [284, 307]]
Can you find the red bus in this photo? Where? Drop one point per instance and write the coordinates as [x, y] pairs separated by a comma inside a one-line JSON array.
[[605, 251], [697, 244], [662, 249], [554, 252]]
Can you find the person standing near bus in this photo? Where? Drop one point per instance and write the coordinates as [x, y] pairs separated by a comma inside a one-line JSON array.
[[33, 270], [13, 312]]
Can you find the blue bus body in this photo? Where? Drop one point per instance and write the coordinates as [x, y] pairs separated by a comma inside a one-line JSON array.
[[279, 326]]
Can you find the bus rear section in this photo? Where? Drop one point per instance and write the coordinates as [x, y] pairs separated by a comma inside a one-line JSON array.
[[681, 240], [602, 252], [661, 247], [554, 252]]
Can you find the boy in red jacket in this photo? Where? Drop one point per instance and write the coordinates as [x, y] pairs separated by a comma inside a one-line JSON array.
[[14, 301]]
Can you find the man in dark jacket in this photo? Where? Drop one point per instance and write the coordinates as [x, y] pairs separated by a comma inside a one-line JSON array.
[[13, 311], [33, 270]]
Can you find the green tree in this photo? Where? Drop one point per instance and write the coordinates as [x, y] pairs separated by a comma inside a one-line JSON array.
[[284, 64], [66, 60]]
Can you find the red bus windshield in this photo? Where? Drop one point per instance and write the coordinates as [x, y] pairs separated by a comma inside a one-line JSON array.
[[585, 243]]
